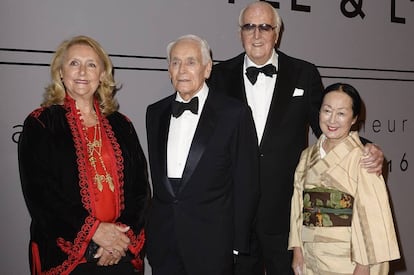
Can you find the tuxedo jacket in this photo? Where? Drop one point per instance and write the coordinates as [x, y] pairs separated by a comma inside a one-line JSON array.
[[295, 105], [212, 213]]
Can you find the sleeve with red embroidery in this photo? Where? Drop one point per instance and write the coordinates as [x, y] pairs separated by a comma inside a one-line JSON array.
[[48, 167]]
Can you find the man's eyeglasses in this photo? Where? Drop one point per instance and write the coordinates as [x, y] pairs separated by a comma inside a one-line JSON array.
[[263, 28]]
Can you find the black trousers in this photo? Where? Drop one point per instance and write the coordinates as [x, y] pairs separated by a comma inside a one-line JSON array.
[[122, 268], [268, 253], [173, 264]]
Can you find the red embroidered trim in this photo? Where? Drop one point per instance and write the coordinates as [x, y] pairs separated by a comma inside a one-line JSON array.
[[36, 113], [65, 246], [137, 243], [36, 264], [119, 161], [76, 250], [127, 118], [81, 153]]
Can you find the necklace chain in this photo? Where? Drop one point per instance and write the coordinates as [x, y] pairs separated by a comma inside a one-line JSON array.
[[95, 150]]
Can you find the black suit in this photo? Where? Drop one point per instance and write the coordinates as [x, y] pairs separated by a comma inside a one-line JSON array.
[[285, 136], [212, 213]]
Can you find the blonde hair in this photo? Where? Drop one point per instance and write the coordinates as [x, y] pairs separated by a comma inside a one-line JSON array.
[[55, 91]]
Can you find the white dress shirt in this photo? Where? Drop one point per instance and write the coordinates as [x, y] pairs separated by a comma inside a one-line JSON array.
[[180, 135], [259, 96]]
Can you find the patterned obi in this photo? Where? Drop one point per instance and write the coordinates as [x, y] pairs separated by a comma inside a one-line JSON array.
[[327, 207]]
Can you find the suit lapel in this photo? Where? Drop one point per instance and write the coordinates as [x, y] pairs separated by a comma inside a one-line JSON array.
[[202, 135], [281, 96], [162, 145], [237, 89]]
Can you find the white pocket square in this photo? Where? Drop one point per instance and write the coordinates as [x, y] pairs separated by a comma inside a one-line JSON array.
[[298, 92]]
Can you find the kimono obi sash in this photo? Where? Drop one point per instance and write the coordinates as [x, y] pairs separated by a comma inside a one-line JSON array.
[[325, 207]]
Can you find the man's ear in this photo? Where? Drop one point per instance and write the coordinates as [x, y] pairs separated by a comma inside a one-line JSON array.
[[208, 69]]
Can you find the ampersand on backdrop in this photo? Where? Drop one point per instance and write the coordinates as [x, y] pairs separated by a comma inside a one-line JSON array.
[[357, 8]]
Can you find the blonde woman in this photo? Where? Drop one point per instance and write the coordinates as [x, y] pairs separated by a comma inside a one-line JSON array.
[[83, 172]]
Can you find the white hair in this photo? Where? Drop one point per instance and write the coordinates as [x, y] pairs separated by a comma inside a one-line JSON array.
[[204, 47]]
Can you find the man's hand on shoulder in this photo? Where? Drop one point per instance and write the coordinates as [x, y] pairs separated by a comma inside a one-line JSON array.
[[373, 158]]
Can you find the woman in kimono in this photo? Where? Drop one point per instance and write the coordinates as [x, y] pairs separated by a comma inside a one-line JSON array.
[[83, 172], [341, 222]]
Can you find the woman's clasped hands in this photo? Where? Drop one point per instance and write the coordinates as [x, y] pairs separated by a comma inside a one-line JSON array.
[[113, 243]]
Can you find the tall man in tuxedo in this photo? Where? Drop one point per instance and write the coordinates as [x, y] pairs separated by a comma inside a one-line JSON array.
[[203, 158], [285, 96]]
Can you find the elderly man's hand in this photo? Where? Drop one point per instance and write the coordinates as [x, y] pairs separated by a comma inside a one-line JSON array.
[[373, 158]]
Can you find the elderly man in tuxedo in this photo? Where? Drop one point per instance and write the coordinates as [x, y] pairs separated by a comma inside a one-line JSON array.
[[203, 158], [284, 94]]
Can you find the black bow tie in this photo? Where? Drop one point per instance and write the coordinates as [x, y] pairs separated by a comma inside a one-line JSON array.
[[178, 108], [253, 72]]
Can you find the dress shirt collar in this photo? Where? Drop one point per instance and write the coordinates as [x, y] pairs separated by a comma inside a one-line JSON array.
[[201, 94], [273, 60]]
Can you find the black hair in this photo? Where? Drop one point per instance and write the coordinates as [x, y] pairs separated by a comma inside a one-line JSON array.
[[351, 92]]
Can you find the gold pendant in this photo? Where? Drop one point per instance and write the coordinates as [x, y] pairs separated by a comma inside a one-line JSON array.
[[98, 180], [110, 182]]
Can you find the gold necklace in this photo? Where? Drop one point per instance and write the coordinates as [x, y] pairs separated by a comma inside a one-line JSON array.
[[95, 149]]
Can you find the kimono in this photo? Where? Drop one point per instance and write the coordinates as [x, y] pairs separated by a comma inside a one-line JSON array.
[[365, 231], [54, 178]]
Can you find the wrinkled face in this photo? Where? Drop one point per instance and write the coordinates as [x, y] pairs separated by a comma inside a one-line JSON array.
[[81, 71], [258, 44], [186, 68], [336, 116]]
